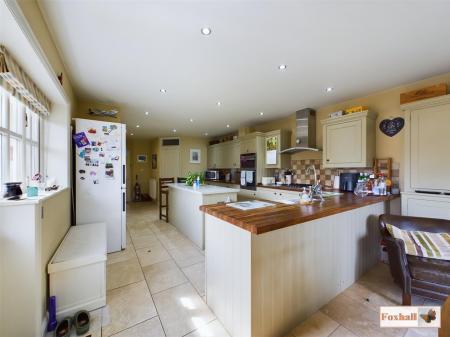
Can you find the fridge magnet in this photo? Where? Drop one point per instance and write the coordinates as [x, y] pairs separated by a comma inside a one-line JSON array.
[[93, 173], [109, 173], [113, 127], [115, 158], [390, 127], [93, 143], [95, 149], [80, 139], [92, 130], [87, 150], [96, 181], [108, 166], [81, 154], [82, 178], [105, 130], [194, 156], [101, 154], [82, 171]]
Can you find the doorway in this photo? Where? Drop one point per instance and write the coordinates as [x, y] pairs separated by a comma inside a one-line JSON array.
[[169, 162]]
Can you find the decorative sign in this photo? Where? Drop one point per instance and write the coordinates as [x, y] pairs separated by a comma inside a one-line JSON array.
[[390, 127]]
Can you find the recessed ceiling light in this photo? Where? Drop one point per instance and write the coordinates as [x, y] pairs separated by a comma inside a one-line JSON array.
[[329, 89], [174, 130], [147, 113], [261, 113], [219, 103], [131, 134], [191, 120], [228, 125], [206, 31], [138, 126], [206, 133], [282, 67], [163, 90]]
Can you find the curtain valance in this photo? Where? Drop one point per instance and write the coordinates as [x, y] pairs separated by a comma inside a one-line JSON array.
[[21, 85]]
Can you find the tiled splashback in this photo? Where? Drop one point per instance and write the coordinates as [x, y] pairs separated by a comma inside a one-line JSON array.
[[327, 174]]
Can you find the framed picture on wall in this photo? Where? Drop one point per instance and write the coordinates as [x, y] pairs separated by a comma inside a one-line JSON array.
[[141, 158], [194, 156], [154, 162]]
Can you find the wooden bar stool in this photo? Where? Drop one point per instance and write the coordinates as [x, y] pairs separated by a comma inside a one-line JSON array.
[[164, 190]]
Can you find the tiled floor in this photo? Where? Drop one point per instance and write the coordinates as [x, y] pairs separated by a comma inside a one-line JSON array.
[[156, 288]]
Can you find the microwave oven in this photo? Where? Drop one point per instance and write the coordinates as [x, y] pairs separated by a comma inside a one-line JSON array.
[[212, 175]]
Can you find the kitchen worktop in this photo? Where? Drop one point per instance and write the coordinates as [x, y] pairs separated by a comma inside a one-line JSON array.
[[280, 215], [204, 189]]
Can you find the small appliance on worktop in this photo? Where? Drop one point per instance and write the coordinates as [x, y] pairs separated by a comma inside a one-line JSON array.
[[348, 181]]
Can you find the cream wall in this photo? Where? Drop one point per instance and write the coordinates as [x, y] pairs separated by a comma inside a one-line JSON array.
[[187, 143], [137, 146]]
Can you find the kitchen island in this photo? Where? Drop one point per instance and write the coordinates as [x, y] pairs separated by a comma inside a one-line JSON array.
[[268, 269], [184, 203]]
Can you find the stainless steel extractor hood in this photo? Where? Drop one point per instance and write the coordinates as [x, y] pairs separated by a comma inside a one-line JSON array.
[[305, 132]]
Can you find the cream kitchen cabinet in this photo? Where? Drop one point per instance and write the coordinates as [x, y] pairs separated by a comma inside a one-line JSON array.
[[349, 141], [426, 138], [275, 142], [224, 155], [426, 205], [248, 145]]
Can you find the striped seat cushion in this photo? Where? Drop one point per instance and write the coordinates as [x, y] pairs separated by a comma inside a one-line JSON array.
[[424, 244]]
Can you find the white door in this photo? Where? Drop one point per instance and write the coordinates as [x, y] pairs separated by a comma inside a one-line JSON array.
[[170, 162]]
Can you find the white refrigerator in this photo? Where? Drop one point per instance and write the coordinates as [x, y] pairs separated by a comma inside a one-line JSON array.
[[100, 188]]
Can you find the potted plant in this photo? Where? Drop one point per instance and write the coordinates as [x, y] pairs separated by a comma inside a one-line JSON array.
[[191, 178]]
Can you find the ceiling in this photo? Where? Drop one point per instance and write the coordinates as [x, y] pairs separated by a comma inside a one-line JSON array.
[[124, 52]]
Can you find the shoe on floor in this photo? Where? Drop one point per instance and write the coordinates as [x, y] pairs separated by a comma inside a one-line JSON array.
[[82, 321], [63, 327]]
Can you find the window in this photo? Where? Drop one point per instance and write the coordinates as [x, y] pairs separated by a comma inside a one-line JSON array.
[[19, 140]]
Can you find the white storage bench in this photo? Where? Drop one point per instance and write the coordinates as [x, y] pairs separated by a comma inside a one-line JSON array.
[[78, 270]]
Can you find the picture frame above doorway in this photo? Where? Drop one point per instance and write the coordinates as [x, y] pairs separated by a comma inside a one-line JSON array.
[[141, 158]]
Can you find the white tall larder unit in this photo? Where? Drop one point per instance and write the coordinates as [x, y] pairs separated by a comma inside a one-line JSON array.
[[100, 178], [427, 158]]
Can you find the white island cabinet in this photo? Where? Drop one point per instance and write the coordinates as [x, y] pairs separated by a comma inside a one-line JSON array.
[[184, 207]]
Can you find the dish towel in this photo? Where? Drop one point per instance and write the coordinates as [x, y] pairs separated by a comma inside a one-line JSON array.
[[243, 178], [249, 177]]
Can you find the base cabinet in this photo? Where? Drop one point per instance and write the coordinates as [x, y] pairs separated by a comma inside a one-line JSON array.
[[426, 205]]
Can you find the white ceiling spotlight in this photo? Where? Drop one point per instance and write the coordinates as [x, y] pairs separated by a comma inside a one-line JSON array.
[[228, 125], [261, 113], [329, 89], [206, 31], [174, 130], [147, 113], [219, 103], [138, 126], [282, 67], [163, 91], [191, 120], [206, 133], [132, 134]]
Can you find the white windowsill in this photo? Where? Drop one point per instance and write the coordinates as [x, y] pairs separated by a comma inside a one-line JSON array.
[[31, 200]]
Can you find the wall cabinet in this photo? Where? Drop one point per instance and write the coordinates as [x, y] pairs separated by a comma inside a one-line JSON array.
[[248, 145], [349, 141], [224, 155], [275, 142]]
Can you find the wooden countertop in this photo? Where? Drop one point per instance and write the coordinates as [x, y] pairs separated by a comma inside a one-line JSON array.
[[280, 215]]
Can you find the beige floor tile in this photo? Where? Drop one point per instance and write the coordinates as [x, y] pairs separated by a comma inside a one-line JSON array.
[[182, 310], [123, 255], [122, 273], [144, 231], [152, 254], [342, 332], [163, 275], [317, 325], [357, 318], [144, 241], [128, 306], [212, 329], [196, 275], [367, 297], [150, 328], [186, 255], [422, 332]]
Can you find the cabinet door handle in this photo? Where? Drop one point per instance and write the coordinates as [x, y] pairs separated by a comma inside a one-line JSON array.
[[328, 159]]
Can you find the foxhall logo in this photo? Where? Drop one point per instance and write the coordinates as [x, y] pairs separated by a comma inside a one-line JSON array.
[[410, 317]]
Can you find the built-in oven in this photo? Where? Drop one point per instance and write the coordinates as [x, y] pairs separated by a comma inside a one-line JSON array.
[[248, 161], [212, 175]]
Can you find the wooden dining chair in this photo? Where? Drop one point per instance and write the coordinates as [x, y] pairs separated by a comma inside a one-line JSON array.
[[164, 203]]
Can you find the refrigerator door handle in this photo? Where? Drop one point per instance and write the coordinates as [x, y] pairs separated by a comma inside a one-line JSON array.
[[123, 202], [123, 174]]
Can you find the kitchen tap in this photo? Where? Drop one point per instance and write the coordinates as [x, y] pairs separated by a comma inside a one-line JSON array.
[[316, 189]]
